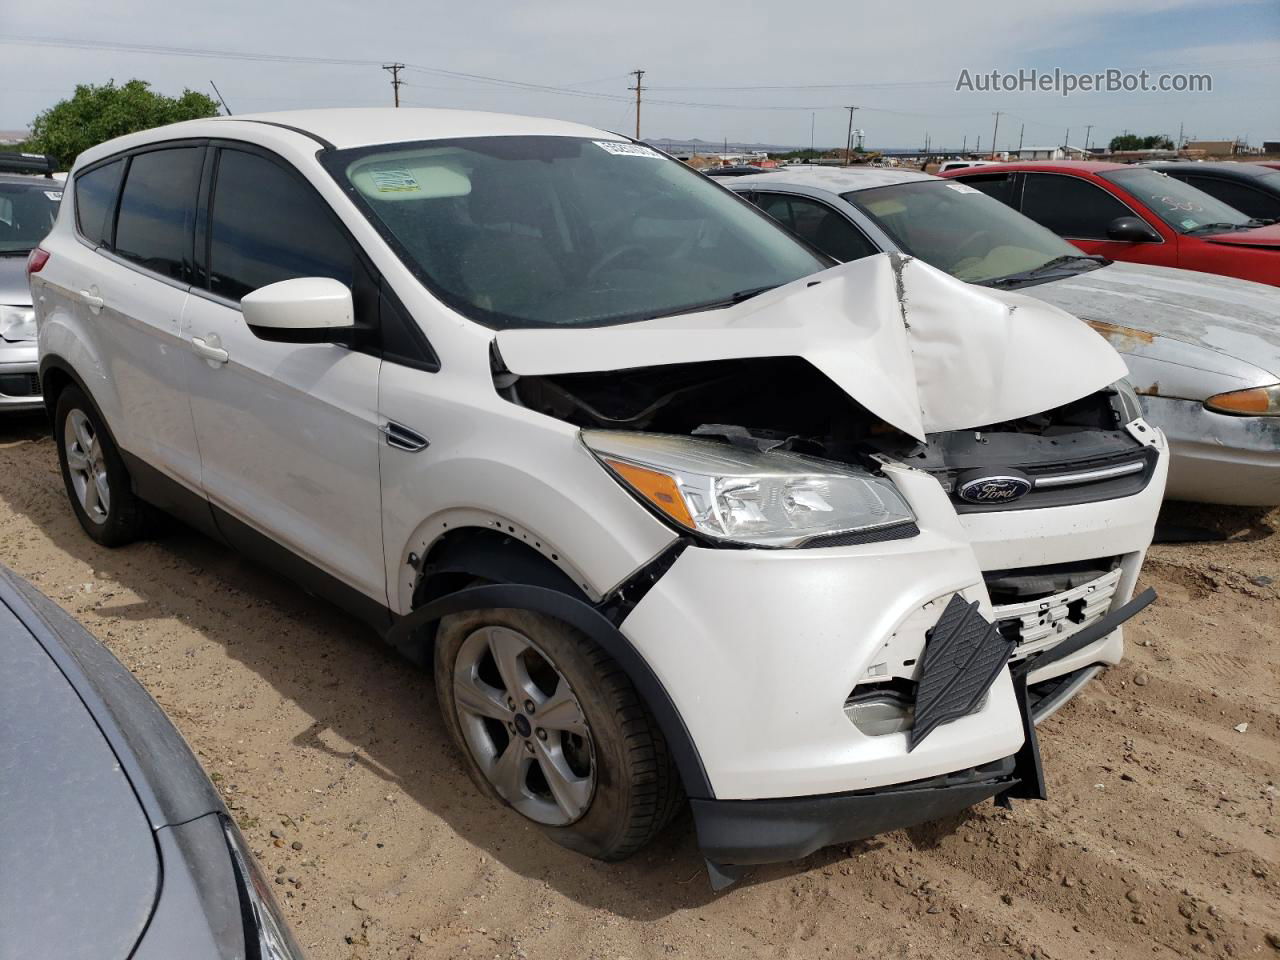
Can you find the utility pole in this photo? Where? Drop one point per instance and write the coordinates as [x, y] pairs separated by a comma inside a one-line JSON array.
[[848, 140], [394, 69], [220, 100], [994, 131], [965, 148], [1180, 140], [1088, 130], [1021, 130], [978, 148], [639, 75], [1066, 144]]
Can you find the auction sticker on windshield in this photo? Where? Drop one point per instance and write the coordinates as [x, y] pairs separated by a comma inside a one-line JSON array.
[[391, 180], [962, 188], [627, 149]]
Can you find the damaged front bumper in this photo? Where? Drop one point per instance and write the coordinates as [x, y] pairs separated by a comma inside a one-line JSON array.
[[737, 833]]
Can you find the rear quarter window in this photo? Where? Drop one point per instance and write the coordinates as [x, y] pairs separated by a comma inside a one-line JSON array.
[[95, 199]]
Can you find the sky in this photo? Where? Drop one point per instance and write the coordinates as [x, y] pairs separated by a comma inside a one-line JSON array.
[[769, 72]]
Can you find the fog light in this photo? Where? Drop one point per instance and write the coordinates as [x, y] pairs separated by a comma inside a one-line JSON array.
[[878, 714]]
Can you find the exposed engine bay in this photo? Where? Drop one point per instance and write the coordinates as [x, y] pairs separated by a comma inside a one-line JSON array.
[[784, 403]]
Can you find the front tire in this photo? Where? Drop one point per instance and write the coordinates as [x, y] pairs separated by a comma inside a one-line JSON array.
[[549, 725], [94, 473]]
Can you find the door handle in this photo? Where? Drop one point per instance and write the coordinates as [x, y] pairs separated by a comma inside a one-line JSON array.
[[209, 349], [91, 299]]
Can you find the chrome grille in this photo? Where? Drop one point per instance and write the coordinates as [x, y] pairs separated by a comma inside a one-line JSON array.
[[1036, 625]]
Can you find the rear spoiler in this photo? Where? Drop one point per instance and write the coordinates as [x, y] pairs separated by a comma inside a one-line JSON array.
[[38, 163]]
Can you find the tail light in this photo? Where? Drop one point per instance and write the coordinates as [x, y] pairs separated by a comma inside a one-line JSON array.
[[36, 260]]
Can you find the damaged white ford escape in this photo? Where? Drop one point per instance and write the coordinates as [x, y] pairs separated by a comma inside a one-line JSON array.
[[677, 508]]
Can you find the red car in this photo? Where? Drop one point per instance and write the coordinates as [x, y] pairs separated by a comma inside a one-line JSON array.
[[1135, 214]]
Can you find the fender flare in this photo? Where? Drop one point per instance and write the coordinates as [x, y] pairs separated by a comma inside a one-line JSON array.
[[582, 616]]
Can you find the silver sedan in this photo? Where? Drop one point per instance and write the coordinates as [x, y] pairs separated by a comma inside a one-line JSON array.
[[1202, 350]]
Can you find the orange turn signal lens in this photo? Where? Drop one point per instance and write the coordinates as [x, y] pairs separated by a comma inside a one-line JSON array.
[[658, 488], [1257, 402]]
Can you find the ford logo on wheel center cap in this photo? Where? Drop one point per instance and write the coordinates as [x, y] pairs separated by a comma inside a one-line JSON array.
[[995, 486]]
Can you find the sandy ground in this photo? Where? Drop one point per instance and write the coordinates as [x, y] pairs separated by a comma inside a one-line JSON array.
[[1160, 838]]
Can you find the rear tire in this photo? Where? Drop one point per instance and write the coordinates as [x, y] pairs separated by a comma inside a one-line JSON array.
[[580, 754], [94, 473]]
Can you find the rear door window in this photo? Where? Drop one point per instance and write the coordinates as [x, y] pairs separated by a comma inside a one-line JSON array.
[[1245, 198], [95, 198], [1069, 206], [997, 186], [814, 221], [267, 225], [157, 210]]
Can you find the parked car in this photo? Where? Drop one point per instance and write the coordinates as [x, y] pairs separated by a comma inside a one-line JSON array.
[[735, 170], [29, 197], [1135, 214], [114, 842], [1251, 188], [672, 508], [1203, 351]]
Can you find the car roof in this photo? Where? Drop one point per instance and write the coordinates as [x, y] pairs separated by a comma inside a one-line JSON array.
[[1226, 168], [835, 179], [1067, 166]]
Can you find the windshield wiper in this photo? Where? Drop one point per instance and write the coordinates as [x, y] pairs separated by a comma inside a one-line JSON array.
[[729, 301], [1061, 261]]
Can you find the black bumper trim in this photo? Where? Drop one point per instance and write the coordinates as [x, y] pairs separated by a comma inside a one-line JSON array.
[[741, 832]]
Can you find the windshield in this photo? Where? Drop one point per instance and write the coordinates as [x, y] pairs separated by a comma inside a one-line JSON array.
[[1183, 207], [27, 211], [537, 231], [961, 230]]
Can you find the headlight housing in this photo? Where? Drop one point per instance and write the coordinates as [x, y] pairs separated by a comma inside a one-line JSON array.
[[17, 323], [1255, 402], [736, 495], [1127, 400]]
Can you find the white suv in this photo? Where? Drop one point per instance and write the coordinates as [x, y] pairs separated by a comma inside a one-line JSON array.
[[677, 507]]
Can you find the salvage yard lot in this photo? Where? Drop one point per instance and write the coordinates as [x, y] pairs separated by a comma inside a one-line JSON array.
[[1160, 838]]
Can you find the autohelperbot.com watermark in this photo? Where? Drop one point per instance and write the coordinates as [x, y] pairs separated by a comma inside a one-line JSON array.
[[1065, 83]]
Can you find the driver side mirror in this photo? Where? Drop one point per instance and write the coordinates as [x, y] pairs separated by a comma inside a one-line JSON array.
[[1131, 230], [302, 310]]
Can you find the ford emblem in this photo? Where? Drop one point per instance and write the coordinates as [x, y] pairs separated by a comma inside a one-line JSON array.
[[994, 487]]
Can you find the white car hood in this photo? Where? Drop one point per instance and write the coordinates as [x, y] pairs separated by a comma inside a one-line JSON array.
[[923, 351]]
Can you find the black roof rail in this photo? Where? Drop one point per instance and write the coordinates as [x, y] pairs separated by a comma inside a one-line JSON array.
[[27, 163]]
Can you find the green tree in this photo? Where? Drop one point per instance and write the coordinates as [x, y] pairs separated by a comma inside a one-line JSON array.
[[1131, 141], [98, 112]]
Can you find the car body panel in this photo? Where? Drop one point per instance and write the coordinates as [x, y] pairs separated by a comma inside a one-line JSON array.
[[882, 328], [1247, 254], [81, 871], [1183, 334], [1252, 188]]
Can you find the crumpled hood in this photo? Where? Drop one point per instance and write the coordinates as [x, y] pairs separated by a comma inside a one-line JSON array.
[[921, 350], [1234, 318]]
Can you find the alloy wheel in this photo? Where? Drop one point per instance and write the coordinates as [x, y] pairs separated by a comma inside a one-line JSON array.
[[87, 465], [524, 726]]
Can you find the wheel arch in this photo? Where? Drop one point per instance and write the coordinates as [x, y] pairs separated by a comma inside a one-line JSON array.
[[520, 577]]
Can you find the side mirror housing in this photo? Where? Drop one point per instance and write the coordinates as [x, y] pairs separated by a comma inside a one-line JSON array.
[[302, 310], [1131, 230]]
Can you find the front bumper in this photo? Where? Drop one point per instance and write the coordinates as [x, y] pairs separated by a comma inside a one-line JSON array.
[[741, 832], [759, 650], [1218, 458], [19, 377]]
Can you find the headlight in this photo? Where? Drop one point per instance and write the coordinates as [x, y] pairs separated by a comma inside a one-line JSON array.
[[1127, 398], [764, 499], [1257, 402], [17, 323], [265, 932]]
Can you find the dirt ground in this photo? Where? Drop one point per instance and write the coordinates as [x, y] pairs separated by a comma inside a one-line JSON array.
[[1159, 840]]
